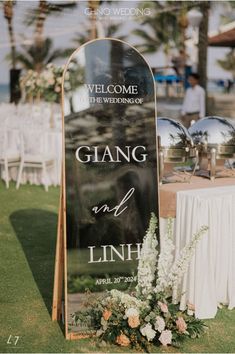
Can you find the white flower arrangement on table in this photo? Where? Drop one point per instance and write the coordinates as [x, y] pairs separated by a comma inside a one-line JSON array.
[[45, 85], [51, 82], [149, 316], [31, 84]]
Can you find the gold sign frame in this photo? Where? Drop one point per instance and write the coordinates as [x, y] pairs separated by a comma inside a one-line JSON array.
[[59, 306]]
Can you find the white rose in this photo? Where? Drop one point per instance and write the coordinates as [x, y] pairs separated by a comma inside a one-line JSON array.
[[165, 337], [148, 332], [159, 324], [131, 312]]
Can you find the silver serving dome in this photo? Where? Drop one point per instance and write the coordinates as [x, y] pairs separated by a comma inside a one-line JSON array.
[[214, 132], [175, 145], [214, 138], [174, 140]]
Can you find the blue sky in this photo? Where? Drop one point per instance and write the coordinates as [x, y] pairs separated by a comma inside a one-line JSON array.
[[64, 28]]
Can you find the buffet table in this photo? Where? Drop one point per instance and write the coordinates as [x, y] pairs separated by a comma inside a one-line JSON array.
[[210, 279]]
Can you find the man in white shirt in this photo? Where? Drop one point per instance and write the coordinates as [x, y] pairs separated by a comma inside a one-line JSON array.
[[194, 101]]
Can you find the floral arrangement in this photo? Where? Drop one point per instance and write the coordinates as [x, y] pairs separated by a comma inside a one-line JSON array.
[[150, 315], [45, 85], [51, 80]]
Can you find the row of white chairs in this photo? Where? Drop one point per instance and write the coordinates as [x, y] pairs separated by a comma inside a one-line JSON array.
[[29, 115], [30, 149]]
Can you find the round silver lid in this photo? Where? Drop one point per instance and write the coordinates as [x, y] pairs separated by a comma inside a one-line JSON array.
[[213, 131], [173, 135]]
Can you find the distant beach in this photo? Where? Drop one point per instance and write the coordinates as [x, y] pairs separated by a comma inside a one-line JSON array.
[[4, 93]]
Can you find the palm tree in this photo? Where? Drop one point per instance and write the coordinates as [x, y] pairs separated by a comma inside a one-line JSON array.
[[93, 5], [84, 36], [110, 31], [39, 15], [203, 43], [37, 57], [8, 14], [14, 72], [162, 29], [41, 52]]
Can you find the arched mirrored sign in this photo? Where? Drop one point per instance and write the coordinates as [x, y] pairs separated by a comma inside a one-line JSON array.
[[110, 170]]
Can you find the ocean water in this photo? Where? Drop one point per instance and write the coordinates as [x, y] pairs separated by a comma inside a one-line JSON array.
[[4, 93]]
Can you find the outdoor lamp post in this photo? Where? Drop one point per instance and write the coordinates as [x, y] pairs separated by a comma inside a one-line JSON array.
[[194, 18]]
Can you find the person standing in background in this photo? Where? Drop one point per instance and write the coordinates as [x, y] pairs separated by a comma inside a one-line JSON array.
[[194, 101]]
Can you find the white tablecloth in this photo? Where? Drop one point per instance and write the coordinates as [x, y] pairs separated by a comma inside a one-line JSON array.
[[210, 279]]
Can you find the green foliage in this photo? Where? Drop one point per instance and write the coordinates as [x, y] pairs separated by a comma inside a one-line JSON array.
[[27, 267], [162, 28], [50, 8], [84, 36], [36, 57], [228, 63], [117, 323], [228, 13], [147, 315]]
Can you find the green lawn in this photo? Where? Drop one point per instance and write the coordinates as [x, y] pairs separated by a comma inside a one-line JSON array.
[[28, 220]]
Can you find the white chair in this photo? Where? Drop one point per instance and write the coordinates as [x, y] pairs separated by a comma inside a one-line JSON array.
[[34, 154], [9, 157]]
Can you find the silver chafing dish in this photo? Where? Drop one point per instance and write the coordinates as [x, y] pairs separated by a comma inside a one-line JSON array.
[[214, 138], [174, 143]]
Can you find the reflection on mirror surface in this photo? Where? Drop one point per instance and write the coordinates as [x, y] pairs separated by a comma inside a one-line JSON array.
[[110, 168]]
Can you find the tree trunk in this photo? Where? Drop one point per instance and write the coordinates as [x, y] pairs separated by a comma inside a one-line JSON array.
[[42, 9], [8, 14], [39, 28], [93, 5], [203, 44], [12, 41], [15, 93]]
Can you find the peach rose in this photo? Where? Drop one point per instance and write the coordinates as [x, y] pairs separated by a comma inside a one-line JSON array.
[[181, 325], [106, 314], [133, 321], [57, 89], [123, 340], [191, 306], [163, 307]]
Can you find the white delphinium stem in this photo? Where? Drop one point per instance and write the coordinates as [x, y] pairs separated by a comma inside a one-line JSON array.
[[148, 259], [128, 301], [165, 259], [181, 263]]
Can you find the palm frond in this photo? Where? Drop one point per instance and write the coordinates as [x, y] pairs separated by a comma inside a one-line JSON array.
[[145, 35], [50, 9], [60, 53], [32, 56], [25, 61]]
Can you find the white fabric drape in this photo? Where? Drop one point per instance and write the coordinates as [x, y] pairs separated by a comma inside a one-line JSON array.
[[210, 278]]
